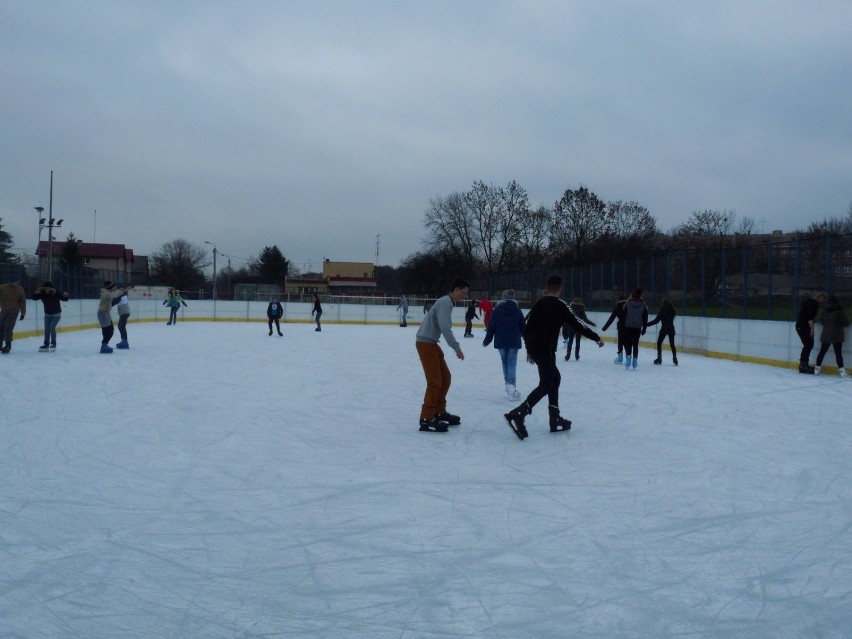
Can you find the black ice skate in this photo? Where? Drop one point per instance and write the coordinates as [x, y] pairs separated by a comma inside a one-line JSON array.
[[558, 423], [433, 425], [515, 419], [452, 420]]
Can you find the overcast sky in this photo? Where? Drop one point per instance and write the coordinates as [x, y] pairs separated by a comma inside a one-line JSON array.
[[318, 126]]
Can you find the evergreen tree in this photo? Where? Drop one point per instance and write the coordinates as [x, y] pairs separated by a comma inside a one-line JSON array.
[[5, 244], [272, 265]]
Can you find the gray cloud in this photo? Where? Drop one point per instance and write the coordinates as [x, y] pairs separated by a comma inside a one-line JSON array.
[[318, 126]]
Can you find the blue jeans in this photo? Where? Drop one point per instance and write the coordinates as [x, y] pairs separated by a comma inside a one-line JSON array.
[[509, 358], [50, 322]]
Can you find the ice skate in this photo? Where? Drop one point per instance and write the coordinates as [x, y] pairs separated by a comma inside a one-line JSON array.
[[627, 362], [619, 359], [123, 345], [658, 361], [557, 422], [842, 372], [105, 348], [512, 392], [817, 369], [515, 419], [450, 419], [635, 362], [433, 425], [44, 349], [805, 369]]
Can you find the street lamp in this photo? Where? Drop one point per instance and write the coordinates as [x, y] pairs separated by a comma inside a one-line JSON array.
[[215, 250]]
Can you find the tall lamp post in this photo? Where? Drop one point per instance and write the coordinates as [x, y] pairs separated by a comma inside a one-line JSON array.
[[39, 211], [215, 250]]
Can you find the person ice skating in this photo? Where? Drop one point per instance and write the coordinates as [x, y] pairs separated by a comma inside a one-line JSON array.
[[108, 294], [316, 313], [635, 325], [665, 318], [486, 307], [568, 333], [13, 306], [834, 323], [468, 319], [403, 310], [439, 321], [805, 330], [541, 338], [274, 313], [617, 315], [122, 305], [173, 301], [50, 299], [506, 328]]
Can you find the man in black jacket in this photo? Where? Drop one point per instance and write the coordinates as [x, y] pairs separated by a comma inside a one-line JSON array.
[[541, 338], [805, 330]]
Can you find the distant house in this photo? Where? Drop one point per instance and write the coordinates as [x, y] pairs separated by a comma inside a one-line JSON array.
[[349, 277], [116, 258]]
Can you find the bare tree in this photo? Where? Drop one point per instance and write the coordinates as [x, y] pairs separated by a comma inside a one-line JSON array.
[[707, 228], [487, 207], [580, 218], [451, 228], [180, 264], [533, 235]]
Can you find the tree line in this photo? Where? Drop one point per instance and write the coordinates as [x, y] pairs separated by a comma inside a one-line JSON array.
[[486, 231], [494, 230]]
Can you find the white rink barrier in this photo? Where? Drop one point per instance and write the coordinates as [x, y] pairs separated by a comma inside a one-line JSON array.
[[759, 341]]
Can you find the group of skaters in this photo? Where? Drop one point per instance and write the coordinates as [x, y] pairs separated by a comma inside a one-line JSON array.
[[508, 327], [834, 323]]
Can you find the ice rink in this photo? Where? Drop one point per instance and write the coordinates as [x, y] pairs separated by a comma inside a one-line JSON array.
[[216, 482]]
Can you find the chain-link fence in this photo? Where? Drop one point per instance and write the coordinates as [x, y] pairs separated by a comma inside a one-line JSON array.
[[757, 281]]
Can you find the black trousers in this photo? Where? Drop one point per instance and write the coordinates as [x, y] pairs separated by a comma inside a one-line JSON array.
[[664, 333], [804, 333], [838, 353], [549, 379], [631, 341]]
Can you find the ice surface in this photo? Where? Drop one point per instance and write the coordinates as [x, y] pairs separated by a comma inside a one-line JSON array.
[[214, 481]]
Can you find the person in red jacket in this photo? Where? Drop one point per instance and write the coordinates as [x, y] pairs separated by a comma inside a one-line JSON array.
[[487, 308]]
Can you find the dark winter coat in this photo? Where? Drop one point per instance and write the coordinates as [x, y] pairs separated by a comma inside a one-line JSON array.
[[544, 321], [274, 310], [580, 311], [618, 312], [665, 318], [506, 326], [50, 297], [834, 322], [471, 313], [636, 314], [807, 313]]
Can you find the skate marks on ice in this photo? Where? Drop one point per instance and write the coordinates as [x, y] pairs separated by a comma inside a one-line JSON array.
[[208, 482]]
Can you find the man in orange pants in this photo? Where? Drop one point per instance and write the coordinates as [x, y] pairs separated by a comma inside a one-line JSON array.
[[434, 417]]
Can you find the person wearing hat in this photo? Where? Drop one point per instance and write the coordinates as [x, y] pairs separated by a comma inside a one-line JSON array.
[[50, 298], [109, 292], [635, 325], [506, 328], [13, 303]]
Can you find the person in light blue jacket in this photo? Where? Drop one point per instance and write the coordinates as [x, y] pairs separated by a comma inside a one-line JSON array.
[[506, 328], [173, 301]]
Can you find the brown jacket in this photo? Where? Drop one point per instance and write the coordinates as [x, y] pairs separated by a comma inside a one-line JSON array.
[[13, 299]]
